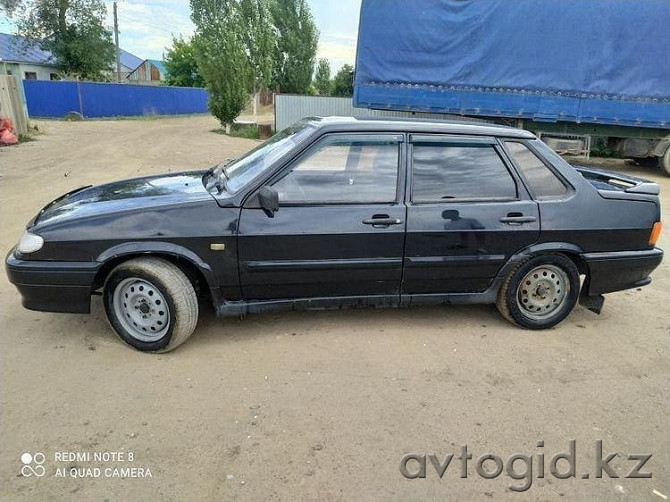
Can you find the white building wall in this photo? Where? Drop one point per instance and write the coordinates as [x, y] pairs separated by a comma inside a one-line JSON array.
[[43, 71]]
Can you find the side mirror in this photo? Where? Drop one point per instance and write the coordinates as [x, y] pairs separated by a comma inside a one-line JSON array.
[[268, 198]]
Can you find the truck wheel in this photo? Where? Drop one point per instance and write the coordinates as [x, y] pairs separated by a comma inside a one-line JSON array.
[[647, 161], [665, 161], [539, 292], [150, 304]]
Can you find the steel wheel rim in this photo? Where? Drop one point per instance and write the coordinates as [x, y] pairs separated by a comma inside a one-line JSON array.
[[543, 292], [141, 309]]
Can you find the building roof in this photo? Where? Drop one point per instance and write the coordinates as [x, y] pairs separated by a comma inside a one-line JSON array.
[[129, 60], [155, 62], [158, 64], [16, 49]]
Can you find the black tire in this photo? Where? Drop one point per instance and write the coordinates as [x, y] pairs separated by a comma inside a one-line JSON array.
[[647, 161], [512, 293], [170, 284]]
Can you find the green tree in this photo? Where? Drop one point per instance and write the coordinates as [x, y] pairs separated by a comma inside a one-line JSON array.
[[259, 41], [9, 6], [322, 77], [233, 49], [343, 83], [181, 66], [72, 30], [297, 40], [221, 56]]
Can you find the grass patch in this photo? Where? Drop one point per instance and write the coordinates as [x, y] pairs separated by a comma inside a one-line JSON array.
[[26, 138], [149, 116], [246, 132], [127, 117]]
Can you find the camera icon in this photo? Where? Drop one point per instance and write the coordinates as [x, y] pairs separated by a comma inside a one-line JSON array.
[[32, 464]]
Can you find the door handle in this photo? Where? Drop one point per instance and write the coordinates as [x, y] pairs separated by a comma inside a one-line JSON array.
[[517, 218], [382, 220]]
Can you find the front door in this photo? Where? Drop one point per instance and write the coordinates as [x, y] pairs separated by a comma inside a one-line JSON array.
[[340, 227], [467, 214]]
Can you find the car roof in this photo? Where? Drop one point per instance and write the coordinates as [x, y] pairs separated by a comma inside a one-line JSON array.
[[411, 125]]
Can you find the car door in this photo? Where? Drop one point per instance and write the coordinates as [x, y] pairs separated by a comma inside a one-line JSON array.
[[340, 227], [467, 214]]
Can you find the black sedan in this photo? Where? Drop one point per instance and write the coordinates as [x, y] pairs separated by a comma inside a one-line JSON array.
[[340, 212]]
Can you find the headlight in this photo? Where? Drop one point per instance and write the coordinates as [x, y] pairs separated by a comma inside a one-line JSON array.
[[30, 243]]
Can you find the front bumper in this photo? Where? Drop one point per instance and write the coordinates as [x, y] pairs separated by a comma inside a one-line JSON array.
[[53, 286], [616, 271]]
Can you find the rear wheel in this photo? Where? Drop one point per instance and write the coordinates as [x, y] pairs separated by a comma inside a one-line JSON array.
[[150, 304], [540, 292]]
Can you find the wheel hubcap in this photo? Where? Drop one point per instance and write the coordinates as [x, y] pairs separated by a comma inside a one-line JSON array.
[[543, 291], [141, 308]]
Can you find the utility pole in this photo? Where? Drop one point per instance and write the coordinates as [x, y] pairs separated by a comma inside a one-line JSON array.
[[116, 40]]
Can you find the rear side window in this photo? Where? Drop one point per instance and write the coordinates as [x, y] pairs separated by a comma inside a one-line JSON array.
[[543, 183], [446, 171]]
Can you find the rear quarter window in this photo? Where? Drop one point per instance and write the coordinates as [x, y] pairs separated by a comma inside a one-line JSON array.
[[542, 181]]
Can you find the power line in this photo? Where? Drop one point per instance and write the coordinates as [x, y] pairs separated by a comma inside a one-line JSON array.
[[169, 29]]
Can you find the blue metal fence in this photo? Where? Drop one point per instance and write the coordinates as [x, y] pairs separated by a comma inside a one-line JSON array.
[[55, 99]]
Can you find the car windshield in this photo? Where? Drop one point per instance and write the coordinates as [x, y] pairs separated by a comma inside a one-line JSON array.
[[236, 174]]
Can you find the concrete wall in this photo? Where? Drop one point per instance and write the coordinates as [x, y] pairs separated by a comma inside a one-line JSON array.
[[43, 71]]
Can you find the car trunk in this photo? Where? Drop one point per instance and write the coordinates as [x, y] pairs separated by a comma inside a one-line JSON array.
[[614, 185]]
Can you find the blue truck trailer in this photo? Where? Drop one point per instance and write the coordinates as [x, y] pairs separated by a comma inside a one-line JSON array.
[[588, 67]]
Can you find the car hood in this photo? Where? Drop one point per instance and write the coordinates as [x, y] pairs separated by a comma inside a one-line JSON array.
[[125, 195]]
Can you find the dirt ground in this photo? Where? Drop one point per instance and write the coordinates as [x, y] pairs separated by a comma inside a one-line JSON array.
[[313, 405]]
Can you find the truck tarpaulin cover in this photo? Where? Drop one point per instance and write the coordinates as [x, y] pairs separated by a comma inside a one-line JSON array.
[[596, 61]]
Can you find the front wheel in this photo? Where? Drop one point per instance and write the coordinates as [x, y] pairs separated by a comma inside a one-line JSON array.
[[150, 304], [540, 292]]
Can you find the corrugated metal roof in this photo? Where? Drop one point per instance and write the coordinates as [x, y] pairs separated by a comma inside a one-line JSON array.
[[129, 60], [158, 64], [16, 49]]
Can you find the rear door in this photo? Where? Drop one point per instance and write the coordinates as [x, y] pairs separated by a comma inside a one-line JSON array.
[[340, 227], [467, 214]]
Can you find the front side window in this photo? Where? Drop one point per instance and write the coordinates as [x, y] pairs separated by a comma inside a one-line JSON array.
[[446, 171], [240, 172], [542, 182], [30, 75], [344, 169]]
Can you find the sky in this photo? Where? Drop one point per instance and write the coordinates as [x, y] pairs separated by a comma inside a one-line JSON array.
[[146, 27]]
